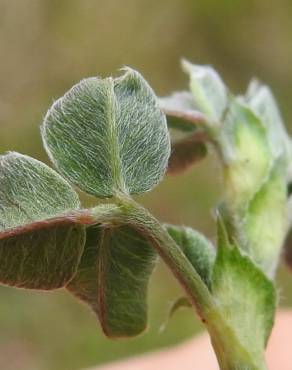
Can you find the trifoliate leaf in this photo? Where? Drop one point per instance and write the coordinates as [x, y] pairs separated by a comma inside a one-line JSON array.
[[246, 297], [40, 241], [181, 112], [185, 153], [246, 154], [112, 278], [109, 135], [208, 90], [197, 249]]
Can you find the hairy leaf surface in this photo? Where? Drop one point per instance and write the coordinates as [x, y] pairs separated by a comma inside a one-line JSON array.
[[31, 191], [113, 277], [262, 101], [208, 90], [40, 243], [109, 135], [45, 258], [246, 297], [197, 248], [246, 154], [266, 234]]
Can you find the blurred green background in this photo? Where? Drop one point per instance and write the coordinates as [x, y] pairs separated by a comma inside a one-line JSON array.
[[48, 45]]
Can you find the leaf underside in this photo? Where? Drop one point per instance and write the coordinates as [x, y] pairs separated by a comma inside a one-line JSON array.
[[112, 278], [40, 245], [44, 259], [109, 136]]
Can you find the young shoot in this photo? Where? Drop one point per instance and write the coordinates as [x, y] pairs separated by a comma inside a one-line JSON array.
[[113, 138]]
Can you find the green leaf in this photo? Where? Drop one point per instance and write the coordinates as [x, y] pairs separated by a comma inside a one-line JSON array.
[[208, 90], [246, 297], [266, 221], [113, 276], [42, 256], [40, 241], [31, 191], [109, 135], [261, 100], [197, 249], [246, 154], [255, 185], [185, 153]]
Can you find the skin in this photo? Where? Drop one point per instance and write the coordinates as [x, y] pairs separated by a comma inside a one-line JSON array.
[[197, 353]]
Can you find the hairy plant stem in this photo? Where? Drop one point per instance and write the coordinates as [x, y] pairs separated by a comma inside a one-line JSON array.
[[230, 353], [172, 255]]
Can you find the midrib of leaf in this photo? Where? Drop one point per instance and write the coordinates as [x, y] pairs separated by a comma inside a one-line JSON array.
[[113, 137]]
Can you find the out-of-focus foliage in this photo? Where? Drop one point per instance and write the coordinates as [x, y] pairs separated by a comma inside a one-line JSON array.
[[47, 46]]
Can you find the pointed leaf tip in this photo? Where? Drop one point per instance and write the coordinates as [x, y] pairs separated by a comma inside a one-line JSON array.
[[208, 89]]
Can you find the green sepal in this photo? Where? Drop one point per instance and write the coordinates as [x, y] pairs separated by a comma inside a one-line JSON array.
[[41, 240], [113, 276], [197, 249], [246, 297], [109, 136]]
